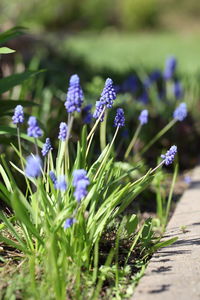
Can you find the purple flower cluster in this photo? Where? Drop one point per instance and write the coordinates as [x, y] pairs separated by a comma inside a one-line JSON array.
[[63, 131], [169, 156], [33, 166], [52, 176], [143, 117], [33, 129], [69, 222], [46, 147], [170, 67], [98, 111], [107, 98], [74, 97], [178, 90], [119, 118], [80, 182], [180, 112], [18, 117], [59, 183], [108, 95]]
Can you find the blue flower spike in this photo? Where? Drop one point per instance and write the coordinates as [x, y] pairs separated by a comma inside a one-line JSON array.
[[170, 155]]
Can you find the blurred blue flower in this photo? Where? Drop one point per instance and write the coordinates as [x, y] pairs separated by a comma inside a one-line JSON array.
[[33, 129], [131, 84], [144, 97], [143, 117], [81, 190], [153, 76], [69, 222], [74, 97], [78, 175], [18, 117], [33, 166], [169, 156], [180, 112], [63, 131], [119, 118], [87, 114], [80, 182], [60, 183], [46, 147], [170, 67], [53, 177], [178, 90], [187, 179]]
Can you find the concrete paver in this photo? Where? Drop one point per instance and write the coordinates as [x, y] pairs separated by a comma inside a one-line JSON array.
[[174, 272]]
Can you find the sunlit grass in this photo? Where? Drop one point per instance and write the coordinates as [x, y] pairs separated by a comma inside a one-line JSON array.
[[120, 52]]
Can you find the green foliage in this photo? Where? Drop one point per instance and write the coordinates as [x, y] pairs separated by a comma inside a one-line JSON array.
[[11, 81], [139, 14], [6, 50], [120, 53]]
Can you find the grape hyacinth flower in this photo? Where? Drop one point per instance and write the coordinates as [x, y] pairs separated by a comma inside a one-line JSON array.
[[18, 117], [143, 117], [87, 114], [33, 129], [170, 67], [74, 97], [180, 112], [60, 183], [169, 156], [153, 76], [119, 118], [63, 131], [98, 111], [69, 222], [78, 175], [187, 179], [108, 95], [144, 97], [178, 90], [46, 147], [33, 166], [107, 98], [80, 182], [53, 177]]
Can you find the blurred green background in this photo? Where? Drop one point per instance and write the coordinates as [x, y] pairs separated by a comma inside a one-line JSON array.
[[117, 34]]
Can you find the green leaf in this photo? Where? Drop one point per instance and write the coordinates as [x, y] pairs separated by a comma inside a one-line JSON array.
[[10, 242], [12, 229], [6, 50], [132, 223], [9, 82], [164, 243], [11, 34], [13, 131], [23, 216]]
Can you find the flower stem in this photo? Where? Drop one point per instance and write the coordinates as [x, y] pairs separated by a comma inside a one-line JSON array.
[[133, 141], [96, 124], [106, 155], [103, 132], [20, 146], [36, 147]]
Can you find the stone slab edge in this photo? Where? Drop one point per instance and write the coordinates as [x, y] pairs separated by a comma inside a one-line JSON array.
[[174, 272]]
